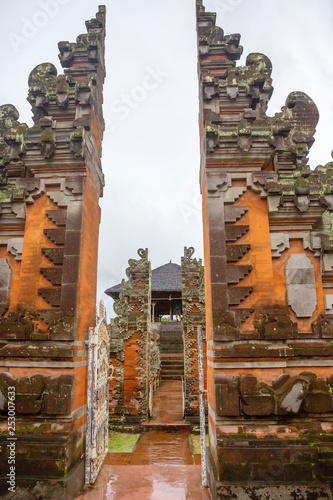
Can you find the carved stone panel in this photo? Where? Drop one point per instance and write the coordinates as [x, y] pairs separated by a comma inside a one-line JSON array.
[[38, 394], [301, 286], [5, 282], [287, 395]]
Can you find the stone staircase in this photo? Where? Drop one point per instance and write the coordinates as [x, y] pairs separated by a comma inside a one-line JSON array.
[[172, 351]]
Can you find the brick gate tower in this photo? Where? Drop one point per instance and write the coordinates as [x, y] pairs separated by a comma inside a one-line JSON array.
[[268, 278], [50, 183]]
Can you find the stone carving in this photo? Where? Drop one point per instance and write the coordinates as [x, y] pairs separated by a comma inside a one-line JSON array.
[[12, 144], [15, 247], [324, 326], [227, 396], [38, 394], [279, 243], [301, 285], [288, 395], [133, 328], [275, 323], [16, 326], [193, 307]]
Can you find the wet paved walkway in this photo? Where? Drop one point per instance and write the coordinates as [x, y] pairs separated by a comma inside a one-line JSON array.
[[168, 402], [162, 448], [161, 466], [147, 482]]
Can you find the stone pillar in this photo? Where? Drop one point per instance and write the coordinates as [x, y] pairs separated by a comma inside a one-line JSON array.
[[267, 244], [50, 183], [130, 396], [193, 307]]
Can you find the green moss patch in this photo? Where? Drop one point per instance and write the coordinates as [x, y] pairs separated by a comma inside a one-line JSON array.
[[120, 442], [195, 438]]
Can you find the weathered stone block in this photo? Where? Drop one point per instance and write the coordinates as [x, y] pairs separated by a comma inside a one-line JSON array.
[[55, 255], [226, 396], [258, 398], [61, 326], [236, 252], [290, 396], [51, 295], [275, 323], [59, 395], [318, 398], [39, 394], [16, 326], [59, 217], [57, 236], [52, 274]]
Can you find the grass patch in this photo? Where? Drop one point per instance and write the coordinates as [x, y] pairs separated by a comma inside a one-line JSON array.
[[196, 443], [120, 442]]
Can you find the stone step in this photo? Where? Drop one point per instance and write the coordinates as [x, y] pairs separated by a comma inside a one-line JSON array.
[[170, 336], [172, 362], [174, 350], [172, 369], [171, 326], [167, 427], [171, 342], [171, 377], [165, 368], [172, 356], [170, 347]]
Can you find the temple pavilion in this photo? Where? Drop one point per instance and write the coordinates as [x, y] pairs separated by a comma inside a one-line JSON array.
[[166, 292]]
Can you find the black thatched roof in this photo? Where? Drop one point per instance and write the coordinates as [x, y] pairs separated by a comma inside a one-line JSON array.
[[167, 278]]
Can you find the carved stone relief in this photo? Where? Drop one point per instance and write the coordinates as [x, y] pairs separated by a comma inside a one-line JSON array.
[[246, 395]]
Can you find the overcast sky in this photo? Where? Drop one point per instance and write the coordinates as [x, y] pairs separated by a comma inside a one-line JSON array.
[[151, 145]]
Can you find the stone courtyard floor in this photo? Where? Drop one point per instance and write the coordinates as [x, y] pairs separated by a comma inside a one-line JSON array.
[[147, 482], [162, 465]]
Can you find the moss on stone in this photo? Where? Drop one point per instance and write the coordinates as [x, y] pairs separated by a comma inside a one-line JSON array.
[[120, 442]]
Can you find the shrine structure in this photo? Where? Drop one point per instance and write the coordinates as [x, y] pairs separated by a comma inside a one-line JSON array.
[[50, 183], [166, 291], [145, 349], [268, 248]]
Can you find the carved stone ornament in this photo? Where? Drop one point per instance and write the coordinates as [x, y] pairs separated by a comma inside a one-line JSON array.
[[298, 395], [301, 285]]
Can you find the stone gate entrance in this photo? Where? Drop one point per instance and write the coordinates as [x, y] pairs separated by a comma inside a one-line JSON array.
[[146, 349]]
